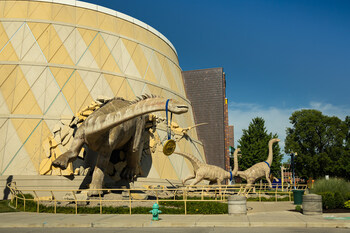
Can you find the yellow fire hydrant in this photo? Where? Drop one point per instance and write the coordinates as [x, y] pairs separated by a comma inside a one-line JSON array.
[[155, 212]]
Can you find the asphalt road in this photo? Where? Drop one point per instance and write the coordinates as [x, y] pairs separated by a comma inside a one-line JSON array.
[[174, 230]]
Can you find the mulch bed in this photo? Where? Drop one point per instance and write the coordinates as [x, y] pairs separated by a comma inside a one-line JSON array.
[[337, 211]]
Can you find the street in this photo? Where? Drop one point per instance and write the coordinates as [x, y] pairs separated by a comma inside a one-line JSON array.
[[173, 230]]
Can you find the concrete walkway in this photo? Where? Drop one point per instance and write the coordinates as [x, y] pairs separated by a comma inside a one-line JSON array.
[[263, 214]]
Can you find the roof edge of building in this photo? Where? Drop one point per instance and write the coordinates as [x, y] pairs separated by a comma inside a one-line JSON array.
[[109, 11], [213, 68]]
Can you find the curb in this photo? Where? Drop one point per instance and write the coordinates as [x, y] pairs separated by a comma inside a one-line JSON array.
[[182, 225], [262, 220]]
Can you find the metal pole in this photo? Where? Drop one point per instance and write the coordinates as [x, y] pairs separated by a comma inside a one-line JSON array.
[[293, 174], [282, 177]]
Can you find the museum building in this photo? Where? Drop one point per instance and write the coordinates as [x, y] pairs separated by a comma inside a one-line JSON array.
[[59, 56], [56, 57]]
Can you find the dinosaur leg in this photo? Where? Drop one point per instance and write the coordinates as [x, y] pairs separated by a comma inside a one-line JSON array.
[[211, 182], [133, 158], [246, 190], [196, 181], [268, 178], [134, 149], [240, 190], [70, 155], [248, 187], [188, 178], [98, 175], [218, 181]]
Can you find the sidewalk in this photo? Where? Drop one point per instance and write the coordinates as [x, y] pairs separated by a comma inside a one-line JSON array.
[[264, 214]]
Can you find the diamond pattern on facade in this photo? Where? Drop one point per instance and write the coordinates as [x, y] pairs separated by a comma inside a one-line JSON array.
[[62, 13], [60, 60], [15, 159], [38, 10]]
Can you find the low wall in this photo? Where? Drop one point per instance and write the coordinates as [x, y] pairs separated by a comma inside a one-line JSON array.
[[37, 182], [33, 182]]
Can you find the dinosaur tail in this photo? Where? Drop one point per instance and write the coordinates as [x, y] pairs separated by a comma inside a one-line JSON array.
[[194, 161]]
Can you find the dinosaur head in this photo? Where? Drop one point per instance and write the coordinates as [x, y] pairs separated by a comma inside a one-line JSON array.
[[273, 140], [177, 107]]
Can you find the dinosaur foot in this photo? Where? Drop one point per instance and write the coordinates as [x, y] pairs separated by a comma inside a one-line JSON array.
[[94, 191], [129, 173], [62, 161]]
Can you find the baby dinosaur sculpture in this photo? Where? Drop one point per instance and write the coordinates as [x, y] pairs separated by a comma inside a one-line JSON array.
[[203, 171], [258, 170], [183, 131], [117, 125]]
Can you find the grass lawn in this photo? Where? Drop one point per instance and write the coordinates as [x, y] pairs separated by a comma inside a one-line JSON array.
[[4, 207]]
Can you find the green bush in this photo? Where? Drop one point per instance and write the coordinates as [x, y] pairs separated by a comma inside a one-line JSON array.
[[167, 207], [328, 201], [347, 204], [347, 197], [4, 207], [331, 185], [272, 198], [207, 208], [339, 200], [334, 192], [194, 207]]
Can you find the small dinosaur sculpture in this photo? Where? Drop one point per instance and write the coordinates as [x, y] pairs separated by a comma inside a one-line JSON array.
[[257, 170], [203, 171], [116, 125], [183, 131]]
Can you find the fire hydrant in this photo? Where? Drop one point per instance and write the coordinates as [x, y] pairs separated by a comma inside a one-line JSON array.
[[155, 212]]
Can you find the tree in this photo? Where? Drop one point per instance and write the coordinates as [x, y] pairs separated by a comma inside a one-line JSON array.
[[320, 142], [254, 147], [347, 130]]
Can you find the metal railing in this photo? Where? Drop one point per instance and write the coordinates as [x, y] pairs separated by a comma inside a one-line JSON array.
[[198, 193]]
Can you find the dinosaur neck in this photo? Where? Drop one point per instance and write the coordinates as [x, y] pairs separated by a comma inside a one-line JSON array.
[[194, 161], [105, 122], [235, 163], [270, 157]]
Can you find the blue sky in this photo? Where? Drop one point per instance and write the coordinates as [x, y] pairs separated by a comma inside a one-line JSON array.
[[278, 56]]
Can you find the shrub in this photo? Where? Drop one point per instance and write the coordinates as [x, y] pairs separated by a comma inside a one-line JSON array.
[[339, 200], [167, 207], [347, 204], [264, 199], [331, 185], [328, 201], [334, 192], [4, 207]]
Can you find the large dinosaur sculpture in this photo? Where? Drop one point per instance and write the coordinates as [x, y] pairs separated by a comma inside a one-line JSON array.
[[203, 171], [62, 137], [257, 170], [117, 125]]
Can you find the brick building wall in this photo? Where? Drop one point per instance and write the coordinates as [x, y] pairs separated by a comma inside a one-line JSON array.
[[231, 138], [206, 91], [227, 137]]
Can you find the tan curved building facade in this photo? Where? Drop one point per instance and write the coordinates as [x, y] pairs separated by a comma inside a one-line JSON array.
[[57, 56]]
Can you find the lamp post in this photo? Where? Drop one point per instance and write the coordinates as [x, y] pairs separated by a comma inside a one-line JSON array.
[[297, 194], [282, 176], [292, 163]]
